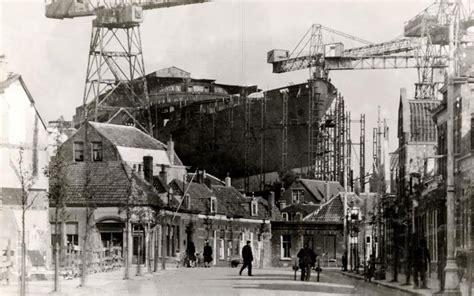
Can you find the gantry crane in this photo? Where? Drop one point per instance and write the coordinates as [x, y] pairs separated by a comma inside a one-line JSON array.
[[115, 68], [424, 46]]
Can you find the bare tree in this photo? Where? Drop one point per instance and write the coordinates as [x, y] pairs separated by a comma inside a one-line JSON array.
[[27, 180], [58, 184]]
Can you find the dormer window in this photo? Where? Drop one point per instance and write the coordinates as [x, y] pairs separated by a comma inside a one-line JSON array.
[[78, 151], [96, 151], [297, 195], [254, 208], [284, 216], [213, 205]]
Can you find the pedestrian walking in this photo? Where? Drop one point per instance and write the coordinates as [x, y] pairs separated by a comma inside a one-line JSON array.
[[344, 261], [371, 268], [191, 253], [307, 259], [207, 254], [422, 260], [247, 257]]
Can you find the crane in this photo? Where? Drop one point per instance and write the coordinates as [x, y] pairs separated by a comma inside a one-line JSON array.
[[115, 67], [424, 46]]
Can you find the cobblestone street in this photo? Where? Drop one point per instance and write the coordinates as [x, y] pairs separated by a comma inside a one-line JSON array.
[[211, 281]]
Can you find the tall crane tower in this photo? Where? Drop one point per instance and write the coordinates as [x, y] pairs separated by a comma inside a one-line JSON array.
[[115, 68], [423, 46]]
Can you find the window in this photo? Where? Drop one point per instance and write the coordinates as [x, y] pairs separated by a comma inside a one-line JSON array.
[[78, 151], [72, 233], [139, 167], [297, 216], [190, 88], [254, 208], [229, 248], [284, 216], [285, 246], [221, 249], [297, 195], [457, 125], [213, 205], [96, 151], [186, 202], [472, 133]]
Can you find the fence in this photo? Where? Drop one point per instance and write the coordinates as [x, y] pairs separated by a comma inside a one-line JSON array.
[[103, 260]]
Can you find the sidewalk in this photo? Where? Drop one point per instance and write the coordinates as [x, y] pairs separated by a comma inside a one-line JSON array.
[[433, 284], [103, 283]]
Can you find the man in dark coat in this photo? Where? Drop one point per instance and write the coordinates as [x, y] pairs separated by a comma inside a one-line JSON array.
[[307, 258], [191, 252], [422, 260], [207, 254], [247, 257]]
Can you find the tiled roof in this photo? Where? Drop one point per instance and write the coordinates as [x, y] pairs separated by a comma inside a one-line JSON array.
[[318, 188], [199, 193], [109, 184], [127, 136], [305, 209], [422, 127], [229, 200], [330, 212]]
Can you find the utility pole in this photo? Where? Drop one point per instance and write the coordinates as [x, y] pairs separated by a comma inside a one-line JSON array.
[[451, 276]]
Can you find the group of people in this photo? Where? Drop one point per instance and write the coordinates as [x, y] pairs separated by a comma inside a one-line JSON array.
[[192, 260], [306, 261], [417, 264]]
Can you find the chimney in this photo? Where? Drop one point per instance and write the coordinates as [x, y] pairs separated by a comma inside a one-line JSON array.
[[200, 178], [271, 204], [282, 204], [170, 150], [228, 181], [163, 174], [148, 168]]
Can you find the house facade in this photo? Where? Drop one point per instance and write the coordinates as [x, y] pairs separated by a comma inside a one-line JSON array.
[[23, 155]]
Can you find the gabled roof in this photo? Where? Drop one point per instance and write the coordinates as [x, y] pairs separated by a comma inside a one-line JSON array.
[[422, 127], [318, 188], [108, 184], [14, 78], [199, 193], [415, 118], [330, 212], [127, 136]]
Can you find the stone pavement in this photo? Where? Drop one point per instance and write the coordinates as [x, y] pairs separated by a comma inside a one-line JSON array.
[[433, 284], [208, 281]]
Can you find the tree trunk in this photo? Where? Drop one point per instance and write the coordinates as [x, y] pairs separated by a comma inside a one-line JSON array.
[[84, 251], [23, 254], [127, 247], [163, 263], [56, 246]]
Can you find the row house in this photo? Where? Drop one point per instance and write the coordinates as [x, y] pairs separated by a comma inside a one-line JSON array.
[[404, 209], [142, 196]]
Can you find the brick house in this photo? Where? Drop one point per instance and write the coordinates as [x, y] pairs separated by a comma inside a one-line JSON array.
[[124, 167]]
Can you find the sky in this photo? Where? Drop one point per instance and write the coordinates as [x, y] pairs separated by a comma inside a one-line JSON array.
[[223, 40]]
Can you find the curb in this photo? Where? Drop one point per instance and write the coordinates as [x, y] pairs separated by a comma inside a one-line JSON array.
[[383, 284]]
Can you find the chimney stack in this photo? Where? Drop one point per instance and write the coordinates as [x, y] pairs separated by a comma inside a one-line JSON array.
[[163, 174], [200, 178], [148, 168], [271, 204], [228, 181], [170, 150]]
